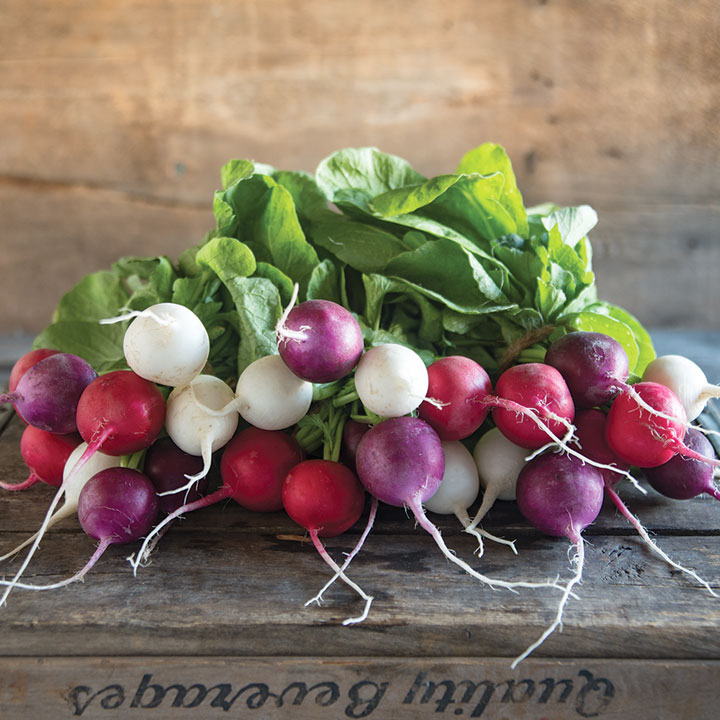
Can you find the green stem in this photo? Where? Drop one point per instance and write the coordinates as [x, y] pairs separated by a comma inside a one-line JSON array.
[[345, 398]]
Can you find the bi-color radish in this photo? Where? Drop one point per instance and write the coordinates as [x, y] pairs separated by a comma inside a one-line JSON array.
[[116, 506], [23, 364], [45, 454], [458, 490], [326, 498], [165, 343], [48, 393], [560, 496], [319, 340], [401, 462], [685, 379]]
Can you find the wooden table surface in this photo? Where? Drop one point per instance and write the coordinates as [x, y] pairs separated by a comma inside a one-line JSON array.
[[217, 621]]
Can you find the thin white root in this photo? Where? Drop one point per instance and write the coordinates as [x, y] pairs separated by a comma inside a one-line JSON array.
[[61, 514], [231, 407], [159, 319], [479, 533], [193, 480], [285, 333], [578, 560]]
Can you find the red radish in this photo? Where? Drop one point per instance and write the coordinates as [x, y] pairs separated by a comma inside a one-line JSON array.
[[454, 384], [271, 454], [23, 364], [560, 496], [45, 454], [401, 462], [116, 506], [647, 439], [255, 463], [326, 498], [319, 340], [47, 394]]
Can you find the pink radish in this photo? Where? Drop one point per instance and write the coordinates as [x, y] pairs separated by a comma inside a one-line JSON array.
[[23, 364]]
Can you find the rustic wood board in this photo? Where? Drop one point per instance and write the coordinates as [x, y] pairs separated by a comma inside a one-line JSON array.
[[313, 689], [116, 119]]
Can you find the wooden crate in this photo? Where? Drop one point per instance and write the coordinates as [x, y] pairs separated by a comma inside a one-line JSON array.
[[216, 625]]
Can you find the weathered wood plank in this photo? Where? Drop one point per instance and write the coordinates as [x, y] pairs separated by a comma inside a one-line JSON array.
[[313, 689], [121, 116]]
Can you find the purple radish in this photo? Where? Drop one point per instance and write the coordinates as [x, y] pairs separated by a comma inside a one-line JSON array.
[[352, 434], [682, 478], [560, 496], [47, 395], [23, 364], [319, 340], [401, 462], [117, 506]]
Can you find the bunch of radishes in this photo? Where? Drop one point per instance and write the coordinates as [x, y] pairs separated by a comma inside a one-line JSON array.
[[565, 432]]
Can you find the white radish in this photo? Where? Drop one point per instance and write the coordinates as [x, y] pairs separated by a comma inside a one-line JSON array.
[[75, 483], [270, 396], [685, 379], [166, 343], [391, 380], [459, 489], [499, 462], [195, 430]]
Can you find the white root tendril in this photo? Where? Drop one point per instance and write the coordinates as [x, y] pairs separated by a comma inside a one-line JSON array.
[[479, 533], [284, 332], [439, 404], [164, 320], [578, 560], [231, 407]]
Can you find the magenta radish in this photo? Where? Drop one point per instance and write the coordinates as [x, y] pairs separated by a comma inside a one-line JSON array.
[[499, 462], [47, 394], [270, 396], [116, 506], [165, 343], [685, 379], [326, 498], [647, 439], [45, 454], [560, 496], [23, 364], [265, 464], [73, 484], [195, 430], [682, 478], [319, 340], [255, 463], [352, 433], [454, 384], [391, 380], [595, 367], [400, 462], [458, 490]]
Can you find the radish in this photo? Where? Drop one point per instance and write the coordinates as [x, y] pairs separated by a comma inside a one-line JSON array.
[[591, 432], [391, 380], [560, 496], [270, 396], [319, 340], [682, 478], [685, 379], [326, 498], [255, 463], [454, 384], [499, 462], [23, 364], [47, 394], [74, 483], [400, 461], [269, 456], [194, 430], [646, 439], [116, 506], [352, 433], [595, 366], [459, 489], [45, 454], [166, 343], [119, 413]]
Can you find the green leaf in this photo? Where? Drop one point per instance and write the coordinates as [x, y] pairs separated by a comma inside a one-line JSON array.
[[227, 258], [401, 201], [236, 170], [573, 223], [596, 322], [326, 283], [97, 296], [278, 278]]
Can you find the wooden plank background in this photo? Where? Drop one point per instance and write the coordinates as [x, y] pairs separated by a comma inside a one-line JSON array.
[[115, 118]]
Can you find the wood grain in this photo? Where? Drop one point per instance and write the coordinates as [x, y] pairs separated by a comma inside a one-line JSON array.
[[116, 118]]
